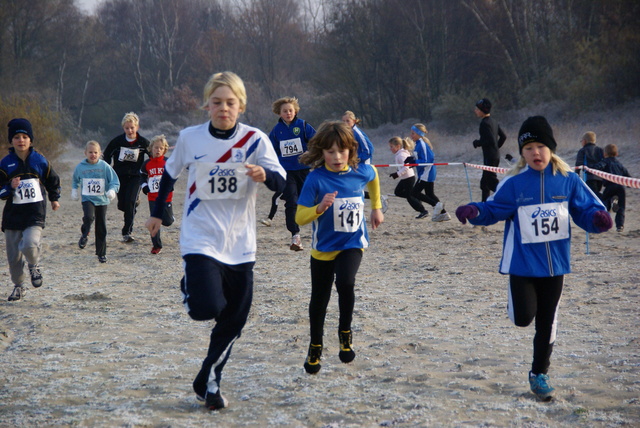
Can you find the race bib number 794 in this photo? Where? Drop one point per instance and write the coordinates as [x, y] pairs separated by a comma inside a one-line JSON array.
[[544, 222]]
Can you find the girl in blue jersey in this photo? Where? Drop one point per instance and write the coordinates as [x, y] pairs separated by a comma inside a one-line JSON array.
[[423, 190], [225, 160], [333, 199], [537, 200]]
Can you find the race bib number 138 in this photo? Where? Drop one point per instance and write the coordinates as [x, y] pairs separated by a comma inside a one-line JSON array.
[[227, 180], [544, 222]]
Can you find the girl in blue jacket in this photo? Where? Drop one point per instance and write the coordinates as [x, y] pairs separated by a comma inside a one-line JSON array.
[[537, 200]]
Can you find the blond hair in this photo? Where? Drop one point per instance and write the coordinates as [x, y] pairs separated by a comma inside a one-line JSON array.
[[557, 164], [589, 137], [351, 115], [406, 143], [230, 80], [162, 139], [130, 117], [423, 128], [92, 143], [277, 104]]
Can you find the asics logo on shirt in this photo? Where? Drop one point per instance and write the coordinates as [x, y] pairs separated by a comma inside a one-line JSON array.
[[222, 172], [543, 213], [350, 206]]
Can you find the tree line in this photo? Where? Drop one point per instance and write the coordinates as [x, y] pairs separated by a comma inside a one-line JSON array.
[[387, 60]]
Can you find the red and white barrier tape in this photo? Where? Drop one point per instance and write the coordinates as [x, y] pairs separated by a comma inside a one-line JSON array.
[[489, 168], [416, 164], [618, 179]]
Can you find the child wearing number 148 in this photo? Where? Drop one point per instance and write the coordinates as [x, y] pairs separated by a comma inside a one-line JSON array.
[[333, 199], [537, 200]]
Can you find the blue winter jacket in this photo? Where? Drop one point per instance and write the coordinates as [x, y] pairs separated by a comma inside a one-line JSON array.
[[526, 191], [293, 139]]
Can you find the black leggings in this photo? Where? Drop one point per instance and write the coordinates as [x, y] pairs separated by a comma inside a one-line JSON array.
[[428, 196], [344, 268], [403, 190], [537, 298], [99, 214]]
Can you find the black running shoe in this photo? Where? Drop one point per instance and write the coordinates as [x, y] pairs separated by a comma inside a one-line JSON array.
[[83, 242], [36, 275], [346, 354], [312, 363], [18, 293], [215, 401]]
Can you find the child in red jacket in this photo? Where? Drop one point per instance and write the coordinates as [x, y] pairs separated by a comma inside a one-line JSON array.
[[150, 173]]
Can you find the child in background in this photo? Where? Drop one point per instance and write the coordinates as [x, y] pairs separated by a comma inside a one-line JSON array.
[[333, 199], [127, 152], [402, 149], [426, 175], [150, 175], [589, 155], [26, 177], [274, 209], [289, 138], [365, 148], [614, 195], [225, 160], [537, 200], [98, 184]]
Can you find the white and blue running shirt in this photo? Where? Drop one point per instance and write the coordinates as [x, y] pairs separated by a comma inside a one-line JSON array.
[[219, 216]]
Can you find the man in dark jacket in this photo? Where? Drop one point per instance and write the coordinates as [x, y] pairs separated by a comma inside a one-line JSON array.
[[590, 155], [491, 139]]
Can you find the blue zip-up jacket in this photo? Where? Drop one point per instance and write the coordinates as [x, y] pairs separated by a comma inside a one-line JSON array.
[[100, 171], [424, 154], [365, 147], [22, 216], [290, 137], [528, 189]]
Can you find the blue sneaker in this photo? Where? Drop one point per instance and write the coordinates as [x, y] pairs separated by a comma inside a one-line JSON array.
[[540, 387]]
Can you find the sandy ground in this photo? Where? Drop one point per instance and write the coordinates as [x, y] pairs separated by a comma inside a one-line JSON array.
[[111, 345]]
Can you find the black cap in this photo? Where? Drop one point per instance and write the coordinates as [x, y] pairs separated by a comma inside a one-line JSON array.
[[536, 129], [484, 105]]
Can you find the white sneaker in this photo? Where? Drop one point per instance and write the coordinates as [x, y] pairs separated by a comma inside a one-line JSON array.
[[441, 217], [296, 243], [266, 222], [437, 210]]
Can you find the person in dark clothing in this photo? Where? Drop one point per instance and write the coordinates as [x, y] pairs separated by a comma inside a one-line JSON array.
[[127, 152], [589, 155], [614, 196], [491, 139]]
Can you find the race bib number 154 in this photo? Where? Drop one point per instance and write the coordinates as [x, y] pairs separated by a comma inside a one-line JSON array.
[[544, 222]]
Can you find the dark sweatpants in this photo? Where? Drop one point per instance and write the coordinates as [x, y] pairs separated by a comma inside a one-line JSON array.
[[127, 201], [537, 298], [292, 189], [213, 290], [99, 213]]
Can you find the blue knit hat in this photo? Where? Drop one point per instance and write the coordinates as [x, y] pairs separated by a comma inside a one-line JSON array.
[[20, 126]]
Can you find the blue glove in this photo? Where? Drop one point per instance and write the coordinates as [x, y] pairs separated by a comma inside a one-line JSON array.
[[602, 220], [465, 212]]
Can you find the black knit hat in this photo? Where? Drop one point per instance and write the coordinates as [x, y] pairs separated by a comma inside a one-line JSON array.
[[536, 129], [484, 105], [20, 126]]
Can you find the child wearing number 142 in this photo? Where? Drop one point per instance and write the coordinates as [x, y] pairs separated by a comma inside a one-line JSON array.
[[333, 199], [537, 200], [98, 184]]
